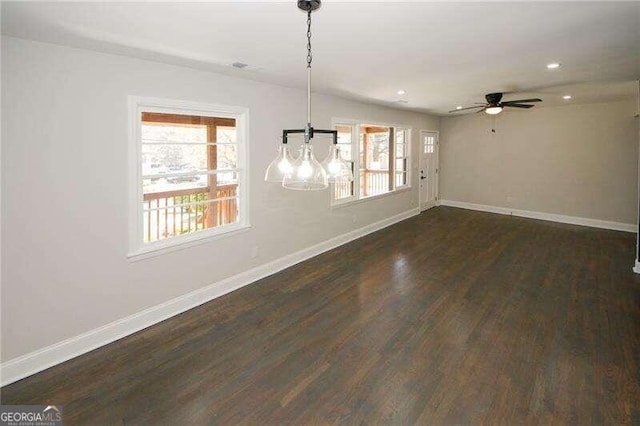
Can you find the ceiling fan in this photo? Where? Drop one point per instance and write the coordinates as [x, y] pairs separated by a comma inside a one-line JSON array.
[[495, 106]]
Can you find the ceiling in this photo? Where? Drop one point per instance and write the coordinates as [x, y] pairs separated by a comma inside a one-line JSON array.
[[441, 54]]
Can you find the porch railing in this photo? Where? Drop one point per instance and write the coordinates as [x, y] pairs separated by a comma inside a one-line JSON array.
[[373, 182], [183, 211]]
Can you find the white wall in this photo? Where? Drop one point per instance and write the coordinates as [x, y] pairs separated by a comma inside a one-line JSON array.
[[64, 189], [574, 160]]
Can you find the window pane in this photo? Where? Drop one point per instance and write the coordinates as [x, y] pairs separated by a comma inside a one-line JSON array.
[[171, 216], [189, 166], [399, 136], [184, 182], [374, 182], [344, 134], [345, 152], [429, 143], [174, 183], [226, 155], [163, 159], [226, 178], [400, 150], [344, 189], [378, 151], [401, 165], [226, 135], [189, 196], [401, 178], [374, 165], [168, 132]]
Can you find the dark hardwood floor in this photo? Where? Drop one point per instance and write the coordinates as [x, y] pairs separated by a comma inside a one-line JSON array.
[[450, 317]]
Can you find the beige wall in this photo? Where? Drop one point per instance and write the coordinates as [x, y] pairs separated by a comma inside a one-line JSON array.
[[574, 160], [64, 189]]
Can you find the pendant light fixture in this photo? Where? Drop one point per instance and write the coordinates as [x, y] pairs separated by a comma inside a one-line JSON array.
[[305, 173], [280, 166]]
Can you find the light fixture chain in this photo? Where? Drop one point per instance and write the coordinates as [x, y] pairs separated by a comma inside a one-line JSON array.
[[309, 57]]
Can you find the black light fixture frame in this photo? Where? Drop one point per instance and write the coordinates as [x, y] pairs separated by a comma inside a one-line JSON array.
[[309, 6], [308, 134]]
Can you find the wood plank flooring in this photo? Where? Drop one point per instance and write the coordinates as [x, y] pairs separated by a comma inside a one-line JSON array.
[[450, 317]]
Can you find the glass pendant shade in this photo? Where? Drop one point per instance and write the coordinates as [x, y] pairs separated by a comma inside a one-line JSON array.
[[308, 174], [338, 170], [493, 110], [281, 166]]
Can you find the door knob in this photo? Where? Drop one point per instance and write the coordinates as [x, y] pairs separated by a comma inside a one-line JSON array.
[[422, 177]]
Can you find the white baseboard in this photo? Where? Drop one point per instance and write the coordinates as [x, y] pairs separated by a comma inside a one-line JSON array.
[[636, 268], [594, 223], [31, 363]]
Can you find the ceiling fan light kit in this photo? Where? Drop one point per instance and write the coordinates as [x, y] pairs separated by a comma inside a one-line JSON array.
[[305, 173]]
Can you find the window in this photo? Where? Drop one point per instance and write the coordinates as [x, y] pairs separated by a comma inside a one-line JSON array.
[[189, 172], [344, 190], [429, 144], [402, 157], [382, 161]]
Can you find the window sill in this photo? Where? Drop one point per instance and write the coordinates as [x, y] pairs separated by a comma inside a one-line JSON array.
[[169, 246], [373, 197]]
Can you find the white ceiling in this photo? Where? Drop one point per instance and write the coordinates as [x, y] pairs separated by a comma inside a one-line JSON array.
[[442, 54]]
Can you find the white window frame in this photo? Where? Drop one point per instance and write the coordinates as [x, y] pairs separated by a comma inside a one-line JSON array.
[[355, 154], [355, 132], [138, 105], [407, 156]]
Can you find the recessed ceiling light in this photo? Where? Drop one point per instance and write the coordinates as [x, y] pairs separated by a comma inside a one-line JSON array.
[[401, 92], [553, 65], [459, 107], [239, 65], [566, 97]]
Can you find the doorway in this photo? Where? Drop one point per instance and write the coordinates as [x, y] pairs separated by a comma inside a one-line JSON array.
[[429, 145]]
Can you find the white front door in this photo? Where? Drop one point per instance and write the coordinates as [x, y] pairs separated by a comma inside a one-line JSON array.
[[428, 169]]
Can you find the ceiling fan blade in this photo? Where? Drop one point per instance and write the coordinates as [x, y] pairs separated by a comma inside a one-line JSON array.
[[517, 105], [519, 101], [462, 109], [482, 110]]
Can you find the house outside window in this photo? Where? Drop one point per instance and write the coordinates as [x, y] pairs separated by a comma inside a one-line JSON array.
[[379, 155], [189, 172]]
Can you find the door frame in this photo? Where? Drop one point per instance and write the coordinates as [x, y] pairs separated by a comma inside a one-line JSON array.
[[420, 167]]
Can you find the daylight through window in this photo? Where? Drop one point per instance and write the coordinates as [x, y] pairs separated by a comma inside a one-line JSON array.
[[382, 160], [190, 175]]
